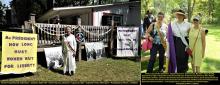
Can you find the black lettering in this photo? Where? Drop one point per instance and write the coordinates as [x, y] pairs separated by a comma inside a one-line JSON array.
[[28, 58], [26, 44], [9, 66], [14, 58], [13, 44], [20, 51]]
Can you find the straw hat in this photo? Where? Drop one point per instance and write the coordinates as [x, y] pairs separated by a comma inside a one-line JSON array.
[[181, 12]]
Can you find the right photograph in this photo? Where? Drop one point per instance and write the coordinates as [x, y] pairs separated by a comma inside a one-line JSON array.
[[180, 37]]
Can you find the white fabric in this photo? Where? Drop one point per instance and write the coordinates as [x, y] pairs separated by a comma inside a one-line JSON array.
[[183, 27], [69, 59], [54, 57], [180, 30]]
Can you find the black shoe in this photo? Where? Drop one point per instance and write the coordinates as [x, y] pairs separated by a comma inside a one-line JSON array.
[[71, 73], [65, 73]]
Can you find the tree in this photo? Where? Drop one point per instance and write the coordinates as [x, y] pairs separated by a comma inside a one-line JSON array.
[[166, 6], [2, 8], [191, 5], [216, 12], [23, 8], [208, 9]]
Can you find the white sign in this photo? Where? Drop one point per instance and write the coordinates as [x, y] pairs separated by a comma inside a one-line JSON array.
[[54, 57], [94, 50], [127, 41]]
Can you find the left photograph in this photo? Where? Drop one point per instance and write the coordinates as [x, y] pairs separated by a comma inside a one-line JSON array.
[[70, 41]]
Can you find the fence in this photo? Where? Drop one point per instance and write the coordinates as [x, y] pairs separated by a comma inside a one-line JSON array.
[[49, 34]]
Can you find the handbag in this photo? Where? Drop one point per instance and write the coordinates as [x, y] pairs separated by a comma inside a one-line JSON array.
[[188, 50], [147, 44]]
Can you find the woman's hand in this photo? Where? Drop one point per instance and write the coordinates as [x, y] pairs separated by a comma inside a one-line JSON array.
[[74, 54], [151, 39]]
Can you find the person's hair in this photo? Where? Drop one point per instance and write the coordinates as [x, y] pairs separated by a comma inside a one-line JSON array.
[[65, 28], [160, 13], [149, 12]]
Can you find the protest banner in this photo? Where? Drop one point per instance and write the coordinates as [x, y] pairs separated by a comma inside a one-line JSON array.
[[54, 57], [94, 50], [19, 53], [127, 41]]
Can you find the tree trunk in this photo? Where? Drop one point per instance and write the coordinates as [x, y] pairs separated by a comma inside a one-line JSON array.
[[190, 9]]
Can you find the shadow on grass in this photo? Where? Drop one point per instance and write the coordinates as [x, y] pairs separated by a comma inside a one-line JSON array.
[[144, 65], [145, 62], [146, 53], [57, 71], [10, 76], [216, 34], [135, 59], [211, 64], [214, 30]]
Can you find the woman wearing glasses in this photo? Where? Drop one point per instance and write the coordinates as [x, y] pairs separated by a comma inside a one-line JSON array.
[[197, 44]]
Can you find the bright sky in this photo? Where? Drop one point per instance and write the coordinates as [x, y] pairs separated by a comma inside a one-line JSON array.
[[6, 2]]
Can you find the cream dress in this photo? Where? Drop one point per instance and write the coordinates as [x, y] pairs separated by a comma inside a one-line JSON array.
[[197, 51], [69, 59]]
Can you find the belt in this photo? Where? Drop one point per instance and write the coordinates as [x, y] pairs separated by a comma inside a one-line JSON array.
[[179, 37]]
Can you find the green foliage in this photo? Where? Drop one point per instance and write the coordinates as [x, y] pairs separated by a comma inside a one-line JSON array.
[[2, 8], [166, 6], [24, 8], [217, 11], [208, 9]]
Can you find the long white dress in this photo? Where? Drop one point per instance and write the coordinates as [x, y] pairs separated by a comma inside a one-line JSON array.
[[69, 59]]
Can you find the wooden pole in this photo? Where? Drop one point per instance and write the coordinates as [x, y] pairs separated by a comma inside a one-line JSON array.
[[80, 44], [58, 28], [26, 26], [112, 38], [32, 20], [22, 27]]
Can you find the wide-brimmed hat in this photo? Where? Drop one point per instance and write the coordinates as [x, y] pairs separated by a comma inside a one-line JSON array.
[[181, 12]]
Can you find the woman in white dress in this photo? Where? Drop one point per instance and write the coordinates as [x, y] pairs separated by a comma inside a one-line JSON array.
[[69, 47]]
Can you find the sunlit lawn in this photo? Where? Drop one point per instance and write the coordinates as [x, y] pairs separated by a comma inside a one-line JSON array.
[[211, 62]]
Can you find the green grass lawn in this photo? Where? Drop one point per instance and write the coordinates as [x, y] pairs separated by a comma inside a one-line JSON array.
[[105, 69], [212, 55]]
